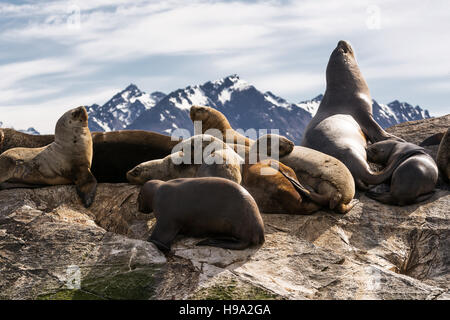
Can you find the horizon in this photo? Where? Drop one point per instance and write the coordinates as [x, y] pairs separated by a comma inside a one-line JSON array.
[[58, 54]]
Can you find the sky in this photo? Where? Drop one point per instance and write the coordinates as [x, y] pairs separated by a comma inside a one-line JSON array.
[[56, 55]]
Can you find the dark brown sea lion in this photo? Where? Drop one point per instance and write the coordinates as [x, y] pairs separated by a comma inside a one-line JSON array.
[[344, 120], [115, 153], [433, 140], [66, 160], [413, 180], [443, 156], [202, 207]]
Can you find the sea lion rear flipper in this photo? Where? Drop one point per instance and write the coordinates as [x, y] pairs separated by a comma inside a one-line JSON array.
[[225, 243], [86, 186]]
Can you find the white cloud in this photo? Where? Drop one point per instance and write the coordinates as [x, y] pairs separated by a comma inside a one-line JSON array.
[[276, 45]]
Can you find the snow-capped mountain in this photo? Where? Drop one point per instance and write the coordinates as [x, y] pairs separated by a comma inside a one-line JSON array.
[[30, 130], [245, 107], [122, 109], [397, 112]]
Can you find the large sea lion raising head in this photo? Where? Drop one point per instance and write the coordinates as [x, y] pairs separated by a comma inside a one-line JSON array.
[[413, 180], [202, 207], [66, 160], [211, 118], [344, 121]]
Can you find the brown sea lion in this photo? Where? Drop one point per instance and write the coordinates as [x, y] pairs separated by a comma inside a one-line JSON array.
[[66, 160], [344, 120], [115, 153], [276, 189], [443, 156], [10, 138], [413, 180], [214, 119], [202, 207], [324, 174]]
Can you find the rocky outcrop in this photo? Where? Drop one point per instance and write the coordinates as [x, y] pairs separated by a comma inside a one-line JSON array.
[[51, 247]]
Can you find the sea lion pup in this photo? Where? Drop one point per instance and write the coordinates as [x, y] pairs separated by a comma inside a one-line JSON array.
[[202, 207], [443, 156], [276, 189], [324, 174], [10, 138], [413, 180], [115, 152], [66, 160], [344, 119], [214, 119]]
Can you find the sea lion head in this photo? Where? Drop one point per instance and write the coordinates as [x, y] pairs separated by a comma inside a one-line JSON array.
[[343, 70], [380, 152], [72, 119], [210, 118], [173, 166], [146, 195], [266, 142]]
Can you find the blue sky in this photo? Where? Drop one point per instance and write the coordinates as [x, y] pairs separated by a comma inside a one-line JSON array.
[[55, 55]]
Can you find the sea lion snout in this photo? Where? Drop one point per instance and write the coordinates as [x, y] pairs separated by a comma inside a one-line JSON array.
[[194, 112], [80, 113], [344, 46]]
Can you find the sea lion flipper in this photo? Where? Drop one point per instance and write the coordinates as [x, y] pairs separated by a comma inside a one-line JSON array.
[[86, 186], [383, 197], [225, 243]]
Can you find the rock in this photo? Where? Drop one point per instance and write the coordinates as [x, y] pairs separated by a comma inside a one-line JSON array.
[[51, 247]]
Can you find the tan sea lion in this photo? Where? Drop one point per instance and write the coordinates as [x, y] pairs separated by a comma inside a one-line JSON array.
[[202, 207], [115, 152], [223, 163], [324, 174], [344, 120], [214, 119], [413, 180], [443, 156], [66, 160], [202, 154]]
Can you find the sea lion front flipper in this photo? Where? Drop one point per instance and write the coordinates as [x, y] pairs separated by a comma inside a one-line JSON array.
[[86, 186], [225, 243]]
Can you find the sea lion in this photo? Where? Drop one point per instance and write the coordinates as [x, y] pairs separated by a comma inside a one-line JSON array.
[[413, 180], [443, 156], [433, 140], [276, 189], [223, 163], [202, 207], [115, 153], [66, 160], [190, 156], [344, 120], [10, 138], [324, 174], [214, 119]]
